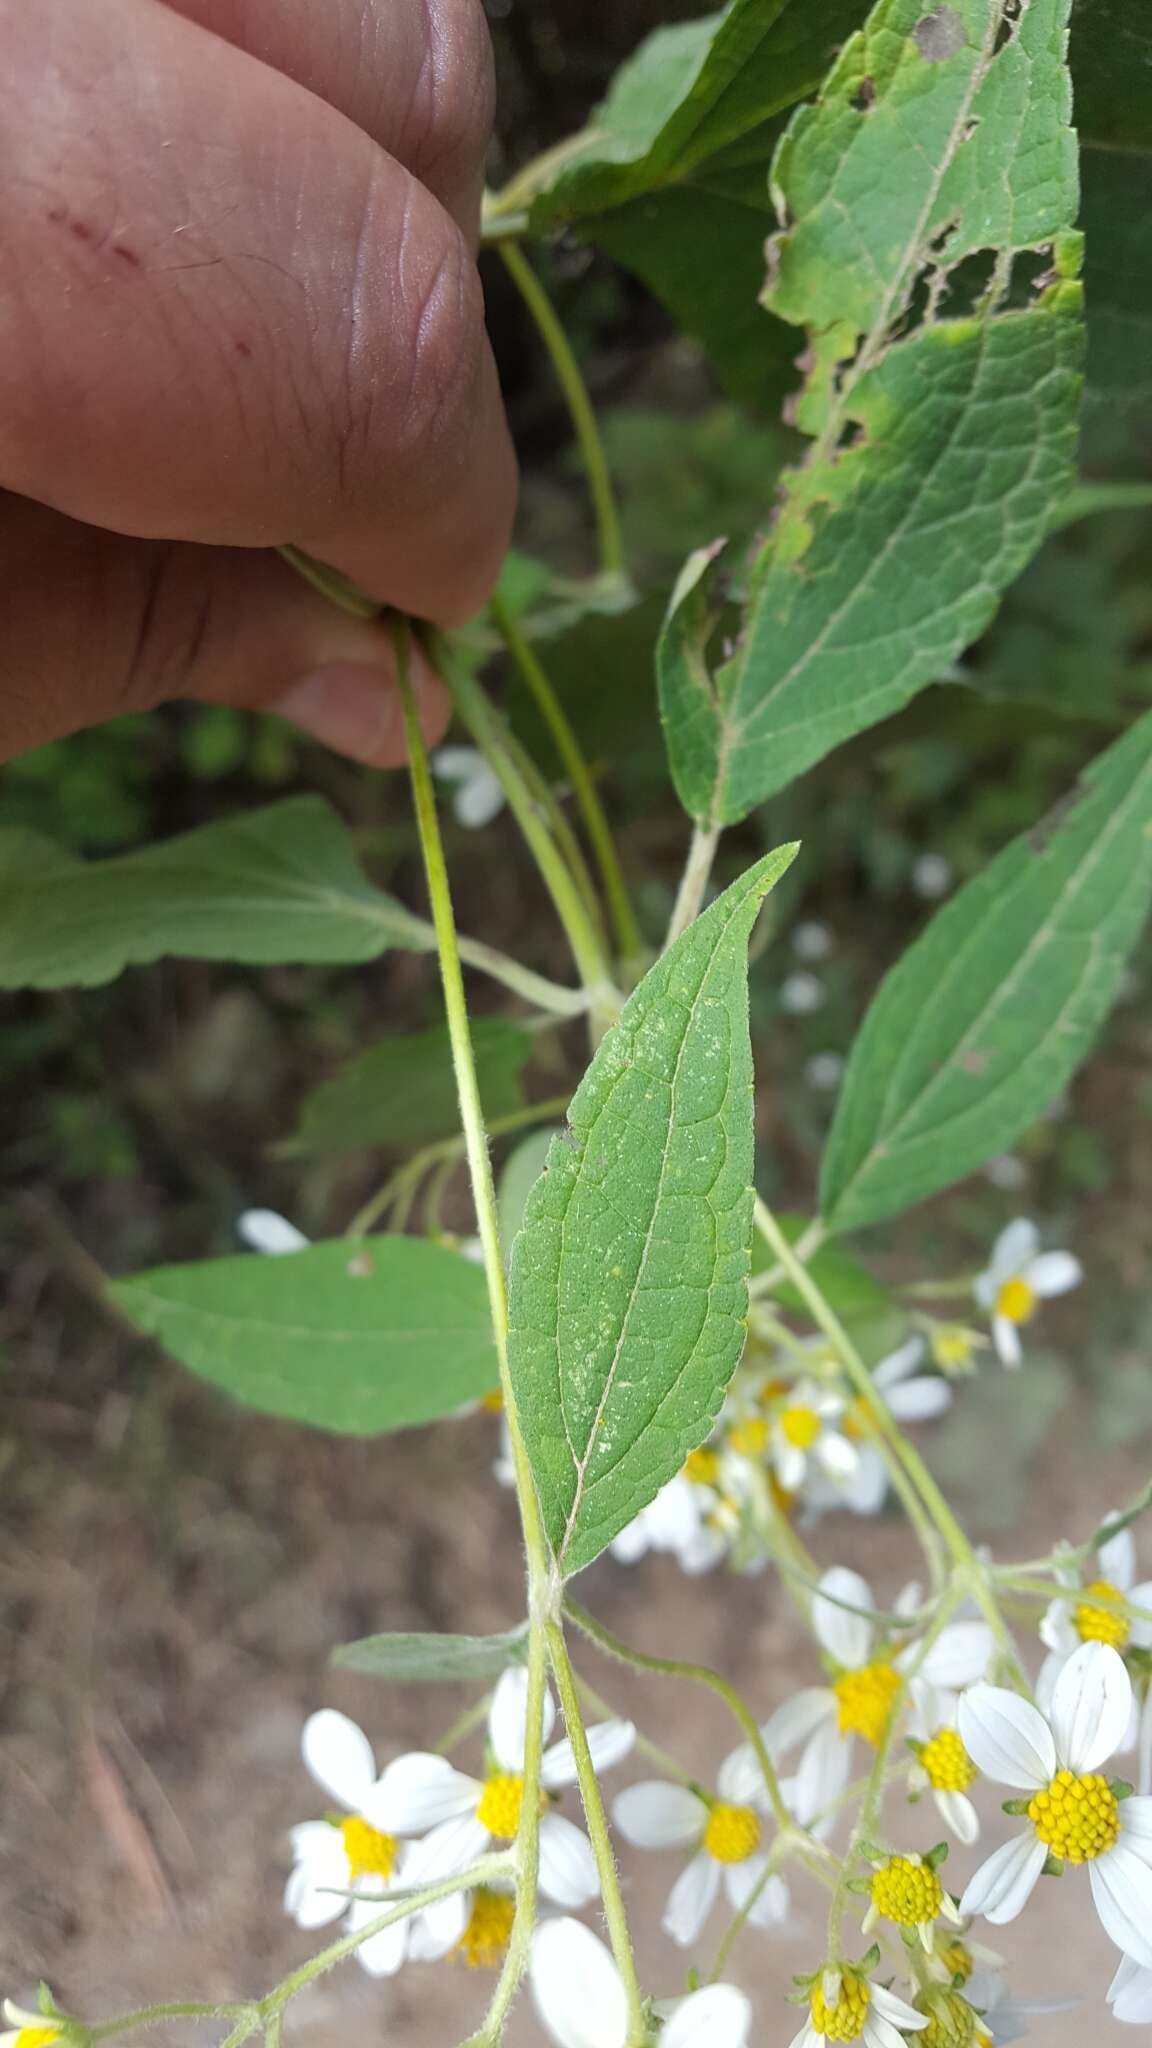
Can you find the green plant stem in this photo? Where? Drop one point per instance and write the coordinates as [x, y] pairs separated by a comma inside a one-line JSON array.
[[694, 880], [698, 1674], [805, 1247], [527, 1846], [584, 940], [447, 1149], [339, 590], [643, 1746], [563, 832], [964, 1559], [598, 1833], [535, 988], [568, 747], [181, 2009], [551, 332]]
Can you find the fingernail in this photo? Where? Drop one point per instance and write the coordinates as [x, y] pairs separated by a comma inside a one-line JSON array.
[[351, 707]]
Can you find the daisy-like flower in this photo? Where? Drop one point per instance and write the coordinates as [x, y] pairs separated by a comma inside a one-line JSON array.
[[726, 1836], [1004, 2019], [1099, 1610], [941, 1764], [1018, 1277], [582, 2003], [801, 1434], [910, 1396], [265, 1230], [845, 2005], [867, 1685], [463, 1815], [477, 795], [688, 1518], [1073, 1813], [351, 1867], [907, 1891], [27, 2029], [1129, 1994]]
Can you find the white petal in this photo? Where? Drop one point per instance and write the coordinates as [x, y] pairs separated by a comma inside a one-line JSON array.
[[846, 1636], [339, 1756], [1136, 1825], [456, 764], [791, 1465], [959, 1816], [865, 1492], [960, 1655], [1091, 1707], [772, 1901], [798, 1718], [314, 1896], [1057, 1632], [740, 1779], [1006, 1738], [567, 1865], [898, 1364], [266, 1231], [1015, 1248], [822, 1773], [1006, 1338], [1118, 1559], [895, 2010], [691, 1900], [435, 1932], [1004, 1883], [838, 1457], [609, 1742], [1130, 1993], [659, 1815], [1054, 1273], [450, 1847], [479, 799], [719, 2016], [880, 2033], [1122, 1890], [633, 1542], [1141, 1596], [576, 1987], [418, 1791], [920, 1400], [508, 1718], [382, 1954]]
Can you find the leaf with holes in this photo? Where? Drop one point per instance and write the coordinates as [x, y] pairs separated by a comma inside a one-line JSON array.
[[943, 415], [280, 884], [629, 1276], [984, 1020], [353, 1336]]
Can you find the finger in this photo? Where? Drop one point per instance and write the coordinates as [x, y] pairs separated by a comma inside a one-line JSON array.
[[415, 77], [228, 316], [95, 625]]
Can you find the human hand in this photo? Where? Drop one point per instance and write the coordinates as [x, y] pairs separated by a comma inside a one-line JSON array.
[[239, 307]]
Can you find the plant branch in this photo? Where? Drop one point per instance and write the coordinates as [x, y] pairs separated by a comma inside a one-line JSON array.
[[694, 881]]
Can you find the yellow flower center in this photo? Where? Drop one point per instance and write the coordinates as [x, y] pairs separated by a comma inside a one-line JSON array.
[[947, 1762], [732, 1833], [36, 2037], [369, 1853], [500, 1804], [800, 1426], [951, 1346], [749, 1438], [907, 1892], [1078, 1818], [844, 2019], [951, 2020], [865, 1698], [702, 1467], [1016, 1301], [485, 1939], [957, 1960], [770, 1392], [493, 1402], [1100, 1616]]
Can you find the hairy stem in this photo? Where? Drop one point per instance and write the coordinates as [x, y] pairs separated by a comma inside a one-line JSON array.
[[694, 880]]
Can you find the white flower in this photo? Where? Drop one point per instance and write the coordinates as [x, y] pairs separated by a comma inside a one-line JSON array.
[[1100, 1611], [802, 1435], [478, 796], [908, 1395], [801, 994], [1019, 1276], [582, 2004], [812, 940], [266, 1231], [726, 1835], [360, 1856], [1002, 2017], [1073, 1812], [868, 1685], [846, 2006], [1129, 1994], [28, 2029], [685, 1519], [932, 876], [942, 1765], [464, 1815]]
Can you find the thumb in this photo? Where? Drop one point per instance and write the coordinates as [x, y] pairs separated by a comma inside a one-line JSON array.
[[97, 624]]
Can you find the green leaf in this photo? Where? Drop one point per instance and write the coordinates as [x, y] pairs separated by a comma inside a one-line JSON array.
[[353, 1336], [941, 450], [279, 884], [628, 1288], [403, 1092], [981, 1024], [518, 1177], [418, 1659]]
